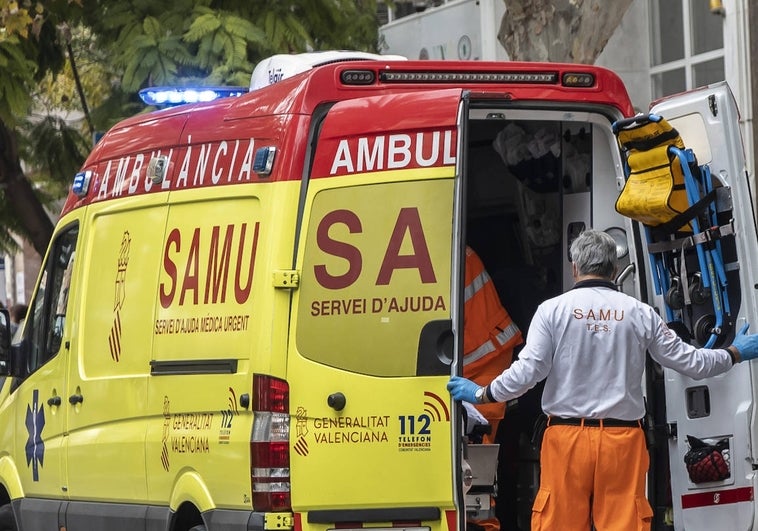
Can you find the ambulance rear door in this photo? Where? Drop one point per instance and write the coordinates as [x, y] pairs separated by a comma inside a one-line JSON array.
[[721, 407], [371, 345]]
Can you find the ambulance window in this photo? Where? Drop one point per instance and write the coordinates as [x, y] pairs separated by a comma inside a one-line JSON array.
[[48, 316], [376, 271]]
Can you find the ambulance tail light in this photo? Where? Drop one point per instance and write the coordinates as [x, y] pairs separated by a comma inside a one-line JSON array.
[[269, 444], [578, 79], [357, 77]]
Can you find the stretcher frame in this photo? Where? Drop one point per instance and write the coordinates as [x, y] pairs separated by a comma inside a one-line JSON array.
[[666, 244]]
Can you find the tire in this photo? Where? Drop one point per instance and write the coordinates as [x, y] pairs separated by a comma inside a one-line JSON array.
[[196, 528], [7, 520]]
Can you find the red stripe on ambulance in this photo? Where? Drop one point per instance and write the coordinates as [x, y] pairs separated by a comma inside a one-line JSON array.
[[190, 166], [717, 497]]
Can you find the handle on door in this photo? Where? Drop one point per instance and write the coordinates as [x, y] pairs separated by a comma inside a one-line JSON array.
[[75, 399], [54, 401], [336, 401]]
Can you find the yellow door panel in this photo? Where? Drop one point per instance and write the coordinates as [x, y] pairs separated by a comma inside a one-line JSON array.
[[202, 429], [107, 388], [375, 270], [209, 273], [215, 313], [39, 432], [37, 436], [370, 428]]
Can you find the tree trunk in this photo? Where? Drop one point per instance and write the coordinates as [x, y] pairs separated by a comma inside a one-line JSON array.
[[559, 31], [20, 195]]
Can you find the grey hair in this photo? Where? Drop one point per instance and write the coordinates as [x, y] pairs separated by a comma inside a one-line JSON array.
[[594, 253]]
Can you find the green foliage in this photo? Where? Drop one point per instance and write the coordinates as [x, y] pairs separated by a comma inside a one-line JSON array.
[[9, 225], [17, 72], [54, 150], [121, 46], [222, 41], [219, 41], [14, 20], [57, 92], [114, 107], [287, 34]]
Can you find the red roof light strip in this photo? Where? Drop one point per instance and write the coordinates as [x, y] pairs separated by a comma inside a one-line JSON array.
[[400, 76]]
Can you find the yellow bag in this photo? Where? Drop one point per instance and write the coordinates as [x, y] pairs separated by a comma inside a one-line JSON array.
[[654, 192]]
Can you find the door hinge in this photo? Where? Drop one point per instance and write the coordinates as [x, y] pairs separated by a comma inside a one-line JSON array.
[[278, 521], [286, 278]]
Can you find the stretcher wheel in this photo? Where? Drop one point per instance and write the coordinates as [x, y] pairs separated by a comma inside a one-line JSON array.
[[704, 328], [698, 293], [675, 296]]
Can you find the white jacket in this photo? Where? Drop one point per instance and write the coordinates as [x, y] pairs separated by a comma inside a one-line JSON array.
[[590, 344]]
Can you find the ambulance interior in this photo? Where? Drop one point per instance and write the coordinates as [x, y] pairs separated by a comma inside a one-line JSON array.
[[531, 186]]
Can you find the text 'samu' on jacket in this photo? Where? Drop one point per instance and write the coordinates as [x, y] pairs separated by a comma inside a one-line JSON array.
[[489, 333]]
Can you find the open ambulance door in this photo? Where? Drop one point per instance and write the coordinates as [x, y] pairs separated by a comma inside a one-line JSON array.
[[721, 407], [372, 343]]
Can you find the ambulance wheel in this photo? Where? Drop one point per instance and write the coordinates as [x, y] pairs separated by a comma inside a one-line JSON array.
[[7, 520]]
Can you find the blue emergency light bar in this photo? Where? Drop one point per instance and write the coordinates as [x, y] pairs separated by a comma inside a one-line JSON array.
[[162, 96], [81, 183]]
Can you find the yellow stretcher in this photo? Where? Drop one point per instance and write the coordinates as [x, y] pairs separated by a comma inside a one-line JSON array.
[[675, 200]]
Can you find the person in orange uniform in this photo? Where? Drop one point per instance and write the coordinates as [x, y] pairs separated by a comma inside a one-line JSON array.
[[489, 336], [590, 344]]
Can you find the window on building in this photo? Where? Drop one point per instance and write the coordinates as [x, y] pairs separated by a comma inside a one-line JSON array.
[[389, 11], [687, 46]]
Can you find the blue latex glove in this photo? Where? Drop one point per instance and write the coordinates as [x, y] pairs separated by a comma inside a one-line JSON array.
[[746, 344], [463, 389]]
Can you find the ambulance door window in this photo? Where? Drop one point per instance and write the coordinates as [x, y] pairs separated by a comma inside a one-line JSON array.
[[376, 272], [48, 316]]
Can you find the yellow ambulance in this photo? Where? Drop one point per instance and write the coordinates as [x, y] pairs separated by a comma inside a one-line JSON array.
[[251, 306]]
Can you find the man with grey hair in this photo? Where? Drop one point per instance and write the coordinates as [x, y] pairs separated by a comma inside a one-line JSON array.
[[589, 345]]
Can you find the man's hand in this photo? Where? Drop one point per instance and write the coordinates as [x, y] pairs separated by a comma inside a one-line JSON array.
[[463, 389], [746, 345]]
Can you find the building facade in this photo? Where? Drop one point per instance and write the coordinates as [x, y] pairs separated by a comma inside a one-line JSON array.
[[661, 47]]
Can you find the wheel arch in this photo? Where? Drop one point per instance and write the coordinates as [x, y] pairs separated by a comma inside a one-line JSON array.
[[10, 482], [190, 488], [186, 518]]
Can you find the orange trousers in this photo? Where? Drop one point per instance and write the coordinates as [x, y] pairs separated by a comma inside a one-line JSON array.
[[592, 475], [494, 413]]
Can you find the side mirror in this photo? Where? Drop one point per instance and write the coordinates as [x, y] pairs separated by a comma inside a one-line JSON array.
[[5, 343]]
